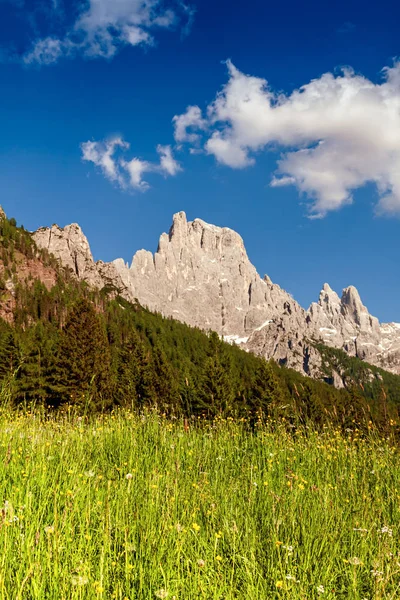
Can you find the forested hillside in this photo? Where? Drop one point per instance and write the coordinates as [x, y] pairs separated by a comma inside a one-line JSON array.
[[61, 342]]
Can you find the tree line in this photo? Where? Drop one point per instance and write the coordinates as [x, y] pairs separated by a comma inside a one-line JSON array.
[[96, 351]]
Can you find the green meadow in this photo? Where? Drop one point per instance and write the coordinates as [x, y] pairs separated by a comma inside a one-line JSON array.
[[141, 507]]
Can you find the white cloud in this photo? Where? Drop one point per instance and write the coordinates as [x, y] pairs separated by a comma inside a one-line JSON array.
[[168, 165], [127, 173], [45, 52], [136, 168], [102, 155], [104, 26], [341, 132], [191, 119]]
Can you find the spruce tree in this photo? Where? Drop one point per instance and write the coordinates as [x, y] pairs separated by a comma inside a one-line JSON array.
[[165, 383], [135, 373], [217, 394], [266, 395], [83, 374]]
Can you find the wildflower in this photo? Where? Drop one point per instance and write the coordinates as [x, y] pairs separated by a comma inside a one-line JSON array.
[[360, 529], [279, 584], [89, 474], [201, 563], [129, 476], [288, 548], [291, 578], [354, 560], [219, 558], [320, 589], [49, 529], [386, 530], [376, 573], [79, 580], [161, 593], [196, 527]]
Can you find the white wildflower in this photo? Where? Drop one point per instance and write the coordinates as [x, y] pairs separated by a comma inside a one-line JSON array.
[[161, 593], [354, 560], [320, 589], [129, 476], [79, 580], [375, 573], [386, 530]]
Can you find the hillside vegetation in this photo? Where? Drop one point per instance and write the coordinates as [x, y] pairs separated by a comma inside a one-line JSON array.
[[62, 343]]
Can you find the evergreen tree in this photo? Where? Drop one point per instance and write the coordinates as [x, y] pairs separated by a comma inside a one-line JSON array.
[[165, 383], [83, 372], [266, 395], [217, 393], [36, 360], [135, 373]]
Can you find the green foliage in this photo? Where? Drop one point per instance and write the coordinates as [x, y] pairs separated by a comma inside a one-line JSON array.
[[72, 344], [83, 366], [141, 507]]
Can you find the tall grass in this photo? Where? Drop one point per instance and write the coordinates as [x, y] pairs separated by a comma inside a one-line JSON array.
[[132, 507]]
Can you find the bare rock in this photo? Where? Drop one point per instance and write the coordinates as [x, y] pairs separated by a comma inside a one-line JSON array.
[[201, 275]]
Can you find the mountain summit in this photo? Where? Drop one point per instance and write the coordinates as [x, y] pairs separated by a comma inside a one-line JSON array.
[[201, 275]]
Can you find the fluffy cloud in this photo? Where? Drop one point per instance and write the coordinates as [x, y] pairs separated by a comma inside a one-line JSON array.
[[191, 119], [104, 26], [127, 174], [341, 132]]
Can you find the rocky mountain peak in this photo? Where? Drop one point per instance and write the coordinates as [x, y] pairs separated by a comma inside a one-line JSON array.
[[201, 275]]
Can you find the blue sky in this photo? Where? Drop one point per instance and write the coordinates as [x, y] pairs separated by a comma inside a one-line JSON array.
[[114, 72]]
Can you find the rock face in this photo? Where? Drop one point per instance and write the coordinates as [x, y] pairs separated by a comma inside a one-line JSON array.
[[201, 275]]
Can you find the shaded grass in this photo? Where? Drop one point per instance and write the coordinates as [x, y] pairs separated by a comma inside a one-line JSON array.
[[140, 507]]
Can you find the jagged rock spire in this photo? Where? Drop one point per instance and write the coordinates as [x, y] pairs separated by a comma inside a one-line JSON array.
[[201, 275]]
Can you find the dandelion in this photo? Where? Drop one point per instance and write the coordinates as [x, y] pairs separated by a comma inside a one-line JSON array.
[[196, 527], [129, 476], [320, 590], [279, 584], [218, 558], [161, 593]]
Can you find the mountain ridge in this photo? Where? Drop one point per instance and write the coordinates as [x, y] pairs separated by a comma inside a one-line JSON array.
[[201, 275]]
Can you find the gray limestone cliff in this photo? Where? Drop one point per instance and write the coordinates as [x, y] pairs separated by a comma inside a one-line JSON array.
[[201, 275]]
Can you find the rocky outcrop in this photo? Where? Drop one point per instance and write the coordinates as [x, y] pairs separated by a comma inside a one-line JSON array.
[[201, 275]]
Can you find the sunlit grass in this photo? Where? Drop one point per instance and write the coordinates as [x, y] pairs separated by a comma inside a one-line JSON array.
[[142, 508]]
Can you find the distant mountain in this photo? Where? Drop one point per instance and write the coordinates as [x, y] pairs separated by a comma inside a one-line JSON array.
[[201, 275]]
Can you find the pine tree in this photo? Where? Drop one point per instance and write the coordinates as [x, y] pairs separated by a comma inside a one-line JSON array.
[[217, 393], [83, 373], [134, 373], [266, 395], [165, 383], [36, 358]]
